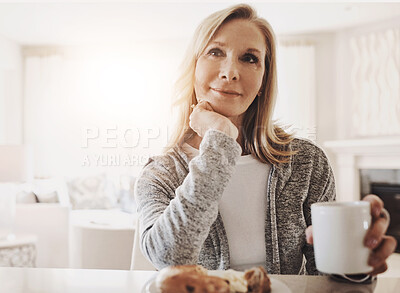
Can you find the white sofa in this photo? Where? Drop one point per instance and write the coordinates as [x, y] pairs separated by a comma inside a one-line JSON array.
[[81, 239], [87, 239]]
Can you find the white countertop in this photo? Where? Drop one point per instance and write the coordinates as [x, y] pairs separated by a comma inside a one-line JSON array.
[[30, 280]]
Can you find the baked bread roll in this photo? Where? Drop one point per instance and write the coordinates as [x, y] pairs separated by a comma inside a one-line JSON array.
[[189, 279], [257, 280], [196, 279]]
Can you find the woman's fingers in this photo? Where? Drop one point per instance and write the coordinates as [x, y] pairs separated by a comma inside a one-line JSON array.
[[382, 252], [202, 104], [379, 270], [203, 117], [309, 235], [376, 205], [375, 233], [379, 224]]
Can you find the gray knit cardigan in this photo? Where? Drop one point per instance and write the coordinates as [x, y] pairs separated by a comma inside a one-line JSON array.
[[178, 205]]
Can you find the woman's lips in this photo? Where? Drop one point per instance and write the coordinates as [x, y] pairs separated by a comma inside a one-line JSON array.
[[226, 92]]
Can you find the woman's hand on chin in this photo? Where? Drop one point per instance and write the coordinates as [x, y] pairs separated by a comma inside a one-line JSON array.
[[204, 118]]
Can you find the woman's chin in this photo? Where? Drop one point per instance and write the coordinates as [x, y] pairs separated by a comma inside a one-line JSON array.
[[224, 111]]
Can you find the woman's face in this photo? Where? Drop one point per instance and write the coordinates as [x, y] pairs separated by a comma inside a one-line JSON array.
[[230, 70]]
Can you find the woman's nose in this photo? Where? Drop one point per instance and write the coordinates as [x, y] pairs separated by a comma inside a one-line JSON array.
[[229, 70]]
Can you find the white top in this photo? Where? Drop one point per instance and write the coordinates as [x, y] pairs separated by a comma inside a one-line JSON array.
[[242, 208]]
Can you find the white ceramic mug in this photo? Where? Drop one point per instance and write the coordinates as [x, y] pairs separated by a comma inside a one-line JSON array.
[[339, 229]]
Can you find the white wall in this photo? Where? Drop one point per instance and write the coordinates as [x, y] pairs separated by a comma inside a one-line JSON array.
[[334, 90], [333, 79], [335, 106], [346, 104], [326, 87], [105, 92], [10, 92], [326, 82], [334, 96]]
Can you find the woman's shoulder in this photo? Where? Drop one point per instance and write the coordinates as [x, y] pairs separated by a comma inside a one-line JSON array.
[[304, 144], [307, 150], [309, 161]]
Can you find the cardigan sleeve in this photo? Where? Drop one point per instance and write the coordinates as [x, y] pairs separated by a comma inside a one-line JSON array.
[[175, 223], [321, 188]]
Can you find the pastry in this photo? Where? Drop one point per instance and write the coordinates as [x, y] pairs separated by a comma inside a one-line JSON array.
[[257, 280], [196, 279], [189, 279]]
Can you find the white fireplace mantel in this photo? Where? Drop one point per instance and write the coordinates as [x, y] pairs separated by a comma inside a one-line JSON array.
[[353, 155]]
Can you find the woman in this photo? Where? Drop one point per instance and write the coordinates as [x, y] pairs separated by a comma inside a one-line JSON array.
[[234, 190]]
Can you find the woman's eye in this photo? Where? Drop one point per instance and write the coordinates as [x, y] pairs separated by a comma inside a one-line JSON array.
[[250, 58], [215, 52]]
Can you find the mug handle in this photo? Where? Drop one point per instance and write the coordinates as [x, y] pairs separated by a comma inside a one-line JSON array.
[[356, 280]]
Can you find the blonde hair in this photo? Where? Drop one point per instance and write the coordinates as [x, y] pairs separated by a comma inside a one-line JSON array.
[[261, 137]]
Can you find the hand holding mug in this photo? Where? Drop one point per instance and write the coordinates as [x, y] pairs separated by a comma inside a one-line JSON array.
[[365, 223]]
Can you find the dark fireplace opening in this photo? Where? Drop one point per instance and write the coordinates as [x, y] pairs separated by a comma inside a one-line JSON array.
[[386, 185], [390, 194]]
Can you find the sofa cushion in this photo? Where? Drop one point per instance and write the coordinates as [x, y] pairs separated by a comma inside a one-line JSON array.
[[25, 197], [93, 192], [48, 197]]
